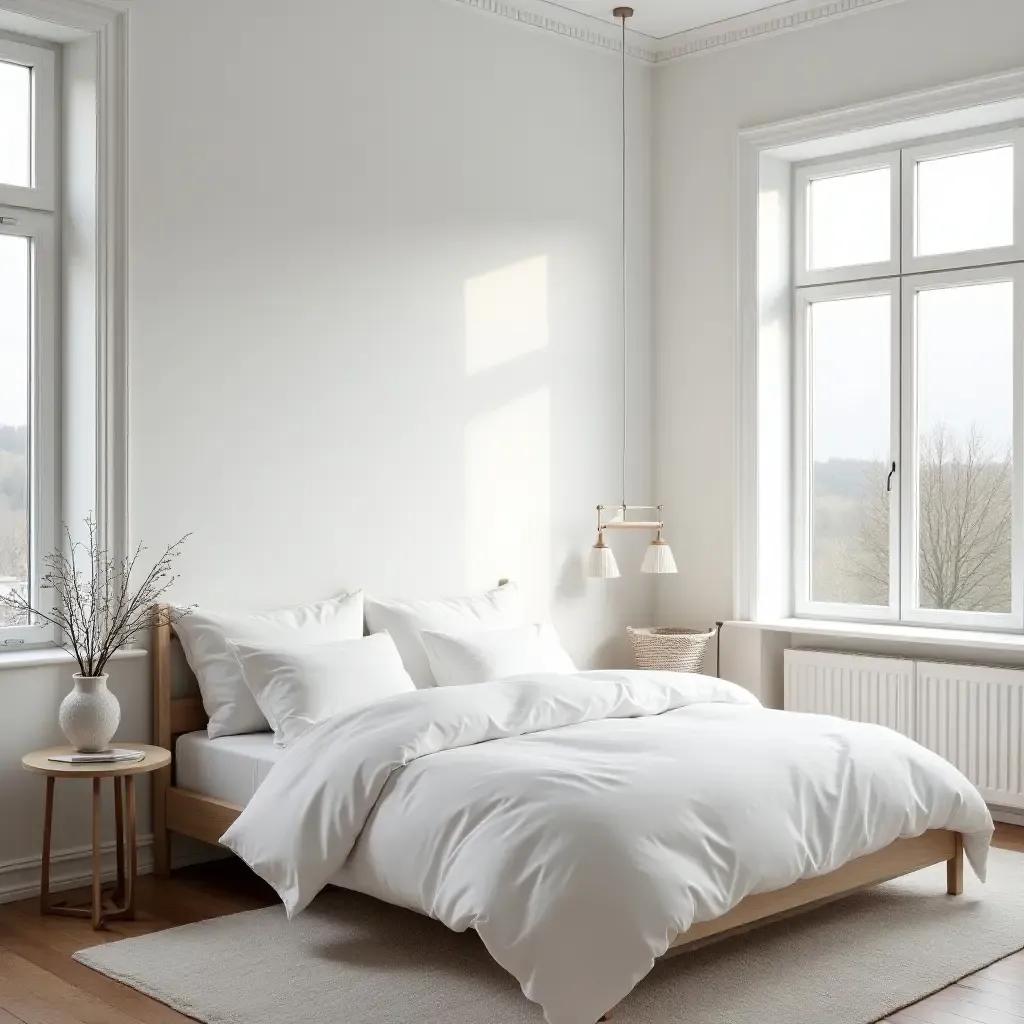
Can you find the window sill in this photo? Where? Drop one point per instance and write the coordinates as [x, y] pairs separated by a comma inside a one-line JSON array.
[[38, 656], [1012, 643]]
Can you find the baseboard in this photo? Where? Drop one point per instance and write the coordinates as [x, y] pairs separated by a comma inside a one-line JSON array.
[[1008, 815], [72, 869], [69, 869]]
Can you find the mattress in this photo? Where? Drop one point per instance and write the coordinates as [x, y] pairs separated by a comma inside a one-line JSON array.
[[229, 768]]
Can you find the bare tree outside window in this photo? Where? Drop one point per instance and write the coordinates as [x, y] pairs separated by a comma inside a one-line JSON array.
[[965, 516], [850, 560], [854, 568]]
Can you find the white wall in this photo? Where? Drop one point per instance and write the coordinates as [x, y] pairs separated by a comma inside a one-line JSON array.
[[374, 259], [374, 323], [700, 105]]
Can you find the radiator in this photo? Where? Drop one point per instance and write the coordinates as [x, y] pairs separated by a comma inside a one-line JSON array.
[[974, 718], [861, 689], [969, 714]]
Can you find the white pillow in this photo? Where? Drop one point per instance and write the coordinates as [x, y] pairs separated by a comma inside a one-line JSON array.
[[406, 620], [298, 687], [483, 656], [204, 636]]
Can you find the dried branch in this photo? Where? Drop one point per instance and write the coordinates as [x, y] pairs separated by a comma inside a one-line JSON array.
[[99, 614]]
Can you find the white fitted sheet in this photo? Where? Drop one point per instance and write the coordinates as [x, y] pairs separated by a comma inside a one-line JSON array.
[[229, 768]]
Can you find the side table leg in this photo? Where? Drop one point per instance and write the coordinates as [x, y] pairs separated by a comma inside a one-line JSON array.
[[97, 890], [44, 885], [119, 829], [132, 851]]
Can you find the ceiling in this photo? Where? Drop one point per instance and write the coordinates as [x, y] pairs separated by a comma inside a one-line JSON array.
[[661, 18]]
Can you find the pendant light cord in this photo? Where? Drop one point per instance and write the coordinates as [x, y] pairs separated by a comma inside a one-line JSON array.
[[625, 278]]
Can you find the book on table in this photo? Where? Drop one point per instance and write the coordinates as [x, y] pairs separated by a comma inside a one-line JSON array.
[[100, 757]]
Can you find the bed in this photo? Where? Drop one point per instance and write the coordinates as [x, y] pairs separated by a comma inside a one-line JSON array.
[[206, 789]]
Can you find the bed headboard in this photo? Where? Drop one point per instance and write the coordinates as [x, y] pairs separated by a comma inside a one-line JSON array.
[[173, 714]]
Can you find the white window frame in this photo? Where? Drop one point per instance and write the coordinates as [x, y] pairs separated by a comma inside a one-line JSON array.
[[766, 155], [803, 408], [914, 155], [907, 274], [803, 179], [44, 397], [910, 462], [41, 194], [92, 325]]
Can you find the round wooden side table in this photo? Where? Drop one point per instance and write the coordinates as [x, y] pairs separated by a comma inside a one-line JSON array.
[[123, 773]]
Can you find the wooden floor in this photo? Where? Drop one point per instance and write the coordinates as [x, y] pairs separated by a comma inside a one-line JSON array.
[[41, 984]]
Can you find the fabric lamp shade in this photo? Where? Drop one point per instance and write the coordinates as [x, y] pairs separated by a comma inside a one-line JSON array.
[[659, 558], [602, 564]]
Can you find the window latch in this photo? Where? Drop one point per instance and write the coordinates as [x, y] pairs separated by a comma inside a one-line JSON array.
[[888, 482], [8, 220]]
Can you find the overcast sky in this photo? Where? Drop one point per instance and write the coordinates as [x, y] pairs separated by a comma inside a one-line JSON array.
[[965, 368]]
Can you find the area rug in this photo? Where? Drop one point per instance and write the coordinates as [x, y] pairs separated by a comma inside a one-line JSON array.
[[353, 960]]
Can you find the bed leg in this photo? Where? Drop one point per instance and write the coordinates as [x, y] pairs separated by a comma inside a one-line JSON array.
[[955, 869]]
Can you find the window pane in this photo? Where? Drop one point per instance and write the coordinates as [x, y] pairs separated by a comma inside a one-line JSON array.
[[965, 202], [15, 124], [15, 323], [849, 219], [965, 441], [851, 360]]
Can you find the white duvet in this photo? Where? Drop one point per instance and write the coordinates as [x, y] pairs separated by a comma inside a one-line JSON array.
[[581, 823]]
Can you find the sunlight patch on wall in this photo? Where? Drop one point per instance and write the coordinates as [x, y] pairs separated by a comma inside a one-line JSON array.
[[508, 498], [506, 314]]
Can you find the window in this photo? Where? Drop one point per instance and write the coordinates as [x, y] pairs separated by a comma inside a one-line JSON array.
[[28, 317], [16, 124], [909, 384]]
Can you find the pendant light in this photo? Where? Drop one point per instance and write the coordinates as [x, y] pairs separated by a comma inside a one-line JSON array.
[[602, 564], [658, 559]]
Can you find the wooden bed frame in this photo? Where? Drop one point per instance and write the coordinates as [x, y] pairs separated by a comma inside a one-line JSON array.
[[180, 811]]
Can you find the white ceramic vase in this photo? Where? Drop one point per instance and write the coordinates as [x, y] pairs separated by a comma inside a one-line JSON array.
[[90, 714]]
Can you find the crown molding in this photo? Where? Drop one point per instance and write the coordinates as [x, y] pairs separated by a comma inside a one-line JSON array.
[[578, 27], [784, 17], [780, 17]]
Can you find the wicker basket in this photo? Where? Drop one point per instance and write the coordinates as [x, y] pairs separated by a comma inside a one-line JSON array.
[[671, 650]]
